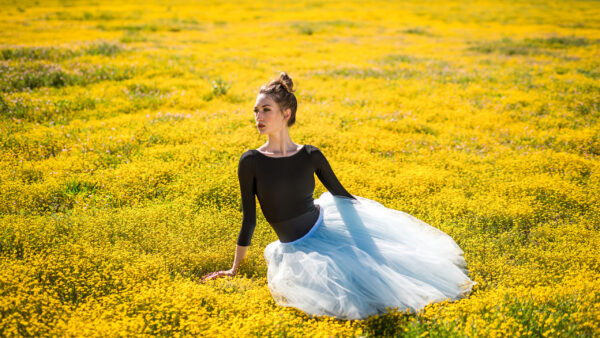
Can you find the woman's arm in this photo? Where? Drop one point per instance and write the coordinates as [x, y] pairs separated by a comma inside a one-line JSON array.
[[248, 191], [240, 253], [326, 174], [247, 181]]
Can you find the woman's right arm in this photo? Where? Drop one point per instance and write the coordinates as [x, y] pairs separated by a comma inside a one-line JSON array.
[[247, 181], [248, 190], [240, 253]]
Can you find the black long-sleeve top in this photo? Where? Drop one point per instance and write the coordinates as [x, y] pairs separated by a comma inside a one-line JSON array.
[[284, 186]]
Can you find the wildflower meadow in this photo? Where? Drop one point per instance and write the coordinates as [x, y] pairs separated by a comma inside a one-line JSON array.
[[122, 124]]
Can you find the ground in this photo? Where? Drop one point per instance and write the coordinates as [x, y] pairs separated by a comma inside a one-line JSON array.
[[121, 127]]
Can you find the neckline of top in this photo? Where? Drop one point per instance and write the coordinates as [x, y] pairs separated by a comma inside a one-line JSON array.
[[294, 154]]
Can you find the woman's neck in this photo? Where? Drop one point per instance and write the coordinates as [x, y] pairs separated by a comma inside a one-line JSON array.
[[280, 143]]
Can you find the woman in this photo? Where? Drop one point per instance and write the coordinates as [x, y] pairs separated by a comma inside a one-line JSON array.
[[341, 255]]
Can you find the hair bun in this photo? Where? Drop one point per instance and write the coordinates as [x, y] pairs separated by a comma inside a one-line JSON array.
[[281, 90], [286, 82]]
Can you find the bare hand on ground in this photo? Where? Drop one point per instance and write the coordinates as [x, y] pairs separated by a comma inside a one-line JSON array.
[[217, 274]]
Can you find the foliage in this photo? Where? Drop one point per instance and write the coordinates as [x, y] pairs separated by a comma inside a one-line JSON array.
[[121, 127]]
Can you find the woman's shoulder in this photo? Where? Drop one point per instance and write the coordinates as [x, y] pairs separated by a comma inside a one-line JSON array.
[[312, 150], [247, 156], [248, 153], [315, 155]]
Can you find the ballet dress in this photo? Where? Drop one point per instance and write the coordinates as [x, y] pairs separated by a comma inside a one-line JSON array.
[[342, 255]]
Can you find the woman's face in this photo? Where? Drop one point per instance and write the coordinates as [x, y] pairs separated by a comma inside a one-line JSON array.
[[268, 116]]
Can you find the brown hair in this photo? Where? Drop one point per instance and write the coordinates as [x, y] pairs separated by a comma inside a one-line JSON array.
[[282, 92]]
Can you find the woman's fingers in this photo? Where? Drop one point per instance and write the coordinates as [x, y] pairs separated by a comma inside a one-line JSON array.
[[214, 275], [208, 276]]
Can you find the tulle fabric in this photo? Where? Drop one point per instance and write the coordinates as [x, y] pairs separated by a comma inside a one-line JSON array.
[[360, 258]]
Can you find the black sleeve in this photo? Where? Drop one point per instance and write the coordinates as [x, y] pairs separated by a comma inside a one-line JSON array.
[[247, 190], [326, 175]]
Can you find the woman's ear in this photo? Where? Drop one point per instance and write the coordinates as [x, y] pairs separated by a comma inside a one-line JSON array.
[[286, 114]]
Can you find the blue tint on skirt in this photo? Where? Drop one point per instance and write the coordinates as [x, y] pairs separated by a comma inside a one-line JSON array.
[[360, 258]]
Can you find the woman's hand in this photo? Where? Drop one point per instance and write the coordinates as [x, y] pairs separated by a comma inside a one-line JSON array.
[[240, 253], [218, 274]]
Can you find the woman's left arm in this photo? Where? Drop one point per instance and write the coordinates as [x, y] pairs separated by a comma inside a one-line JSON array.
[[326, 175]]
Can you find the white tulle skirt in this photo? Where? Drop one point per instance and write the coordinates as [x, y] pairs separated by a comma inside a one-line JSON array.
[[360, 258]]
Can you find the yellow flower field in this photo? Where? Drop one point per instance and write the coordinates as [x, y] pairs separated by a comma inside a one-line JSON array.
[[121, 127]]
